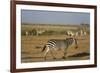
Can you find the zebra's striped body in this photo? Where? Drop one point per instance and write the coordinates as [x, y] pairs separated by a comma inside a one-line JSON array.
[[55, 44]]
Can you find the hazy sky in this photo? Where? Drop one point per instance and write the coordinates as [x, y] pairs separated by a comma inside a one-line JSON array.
[[54, 17]]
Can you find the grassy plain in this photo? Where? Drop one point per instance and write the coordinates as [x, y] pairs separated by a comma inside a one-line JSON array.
[[31, 46]]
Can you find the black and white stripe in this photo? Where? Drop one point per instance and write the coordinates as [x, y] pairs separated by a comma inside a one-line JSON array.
[[56, 44]]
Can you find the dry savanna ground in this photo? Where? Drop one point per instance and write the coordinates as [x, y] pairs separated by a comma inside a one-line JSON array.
[[31, 47]]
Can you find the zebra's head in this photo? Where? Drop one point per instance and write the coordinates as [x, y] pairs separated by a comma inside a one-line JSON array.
[[74, 41]]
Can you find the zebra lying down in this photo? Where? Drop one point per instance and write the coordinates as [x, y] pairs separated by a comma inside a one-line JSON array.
[[57, 44]]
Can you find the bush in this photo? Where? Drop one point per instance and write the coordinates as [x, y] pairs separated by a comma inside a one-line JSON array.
[[52, 32]]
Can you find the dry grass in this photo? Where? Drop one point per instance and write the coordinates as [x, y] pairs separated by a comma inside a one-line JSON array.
[[31, 47]]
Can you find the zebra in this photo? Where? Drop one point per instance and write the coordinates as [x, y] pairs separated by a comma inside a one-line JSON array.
[[26, 33], [58, 44], [83, 34], [39, 32]]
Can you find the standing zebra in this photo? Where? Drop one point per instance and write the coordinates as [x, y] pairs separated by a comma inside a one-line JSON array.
[[55, 44]]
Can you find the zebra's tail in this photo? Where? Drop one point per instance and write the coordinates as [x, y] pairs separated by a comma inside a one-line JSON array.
[[43, 48]]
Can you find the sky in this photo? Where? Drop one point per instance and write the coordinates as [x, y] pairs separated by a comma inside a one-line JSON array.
[[54, 17]]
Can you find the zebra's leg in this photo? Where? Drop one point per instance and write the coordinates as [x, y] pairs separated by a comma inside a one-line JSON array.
[[65, 52], [46, 52], [52, 54]]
